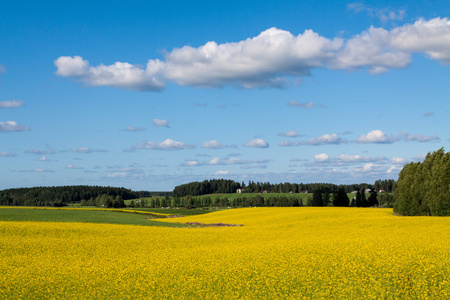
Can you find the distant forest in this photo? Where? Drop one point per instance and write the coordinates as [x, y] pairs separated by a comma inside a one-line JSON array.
[[114, 197], [223, 186], [63, 195]]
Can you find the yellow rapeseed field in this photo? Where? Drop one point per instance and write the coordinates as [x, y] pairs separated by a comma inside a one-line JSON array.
[[279, 253]]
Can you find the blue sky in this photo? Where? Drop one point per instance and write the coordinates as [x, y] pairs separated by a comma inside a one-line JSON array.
[[152, 94]]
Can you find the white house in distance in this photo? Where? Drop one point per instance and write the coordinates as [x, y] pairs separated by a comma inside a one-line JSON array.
[[239, 191]]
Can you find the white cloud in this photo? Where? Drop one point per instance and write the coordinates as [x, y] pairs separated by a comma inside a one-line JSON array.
[[370, 49], [43, 158], [322, 157], [345, 158], [227, 161], [6, 154], [11, 104], [290, 133], [2, 69], [12, 126], [222, 173], [257, 143], [191, 163], [393, 169], [214, 144], [431, 37], [126, 173], [272, 58], [84, 150], [40, 152], [160, 123], [399, 160], [131, 128], [120, 75], [168, 144], [365, 168], [254, 62], [288, 144], [420, 137], [376, 136], [301, 105], [326, 139]]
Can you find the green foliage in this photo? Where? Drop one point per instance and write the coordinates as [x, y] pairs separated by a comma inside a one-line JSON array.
[[317, 199], [222, 186], [424, 188], [340, 197], [373, 199], [385, 200], [63, 195]]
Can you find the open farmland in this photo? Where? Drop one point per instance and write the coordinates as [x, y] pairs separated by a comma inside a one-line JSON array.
[[279, 253]]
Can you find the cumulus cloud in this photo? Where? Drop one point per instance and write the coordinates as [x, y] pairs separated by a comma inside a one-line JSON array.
[[160, 123], [191, 163], [84, 150], [272, 58], [168, 144], [119, 74], [346, 159], [365, 168], [222, 173], [227, 161], [214, 144], [290, 133], [326, 139], [257, 143], [134, 129], [379, 137], [11, 104], [12, 126], [322, 157], [254, 62], [289, 144], [399, 160], [376, 136], [370, 49], [431, 37], [420, 137], [126, 173]]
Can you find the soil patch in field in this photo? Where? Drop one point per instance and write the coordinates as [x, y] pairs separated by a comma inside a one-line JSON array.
[[198, 224]]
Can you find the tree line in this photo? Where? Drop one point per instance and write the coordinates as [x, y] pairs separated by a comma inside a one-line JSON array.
[[318, 198], [223, 186], [63, 195], [423, 188]]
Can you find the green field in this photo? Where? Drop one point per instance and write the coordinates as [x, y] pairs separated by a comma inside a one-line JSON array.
[[88, 216]]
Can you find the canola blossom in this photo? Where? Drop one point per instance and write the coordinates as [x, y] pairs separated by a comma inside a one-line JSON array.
[[278, 253]]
